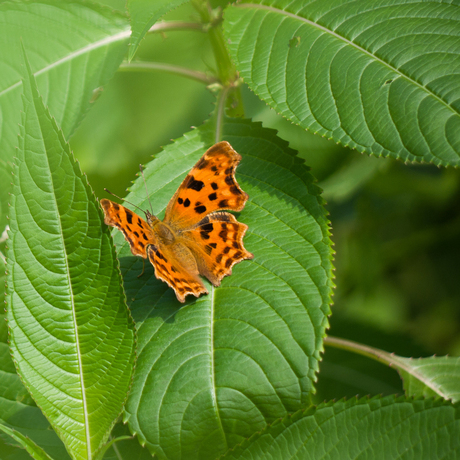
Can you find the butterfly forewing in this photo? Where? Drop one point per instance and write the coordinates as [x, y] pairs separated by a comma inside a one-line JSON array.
[[210, 186], [136, 230]]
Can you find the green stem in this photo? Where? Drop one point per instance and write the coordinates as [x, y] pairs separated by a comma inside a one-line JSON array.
[[139, 66], [390, 359], [394, 361], [219, 112], [370, 352], [226, 71], [110, 443]]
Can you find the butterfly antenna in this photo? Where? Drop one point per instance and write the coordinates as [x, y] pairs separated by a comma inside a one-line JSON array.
[[146, 190], [122, 199]]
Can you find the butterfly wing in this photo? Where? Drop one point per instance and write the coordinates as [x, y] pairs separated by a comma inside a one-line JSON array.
[[210, 186], [217, 244], [176, 265], [136, 230]]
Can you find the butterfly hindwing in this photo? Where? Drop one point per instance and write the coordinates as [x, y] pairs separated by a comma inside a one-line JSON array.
[[217, 244], [210, 186], [136, 230], [175, 265]]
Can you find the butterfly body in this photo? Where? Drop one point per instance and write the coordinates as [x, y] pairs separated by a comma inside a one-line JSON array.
[[196, 236]]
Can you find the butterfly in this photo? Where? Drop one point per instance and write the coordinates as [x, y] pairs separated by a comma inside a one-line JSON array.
[[196, 237]]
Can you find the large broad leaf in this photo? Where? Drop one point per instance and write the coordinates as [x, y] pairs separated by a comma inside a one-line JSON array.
[[144, 13], [436, 376], [383, 78], [71, 335], [215, 370], [379, 428]]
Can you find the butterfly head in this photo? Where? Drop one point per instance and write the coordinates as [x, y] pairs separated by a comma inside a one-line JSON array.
[[151, 219]]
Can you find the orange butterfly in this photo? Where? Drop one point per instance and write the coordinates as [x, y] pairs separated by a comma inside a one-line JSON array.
[[196, 237]]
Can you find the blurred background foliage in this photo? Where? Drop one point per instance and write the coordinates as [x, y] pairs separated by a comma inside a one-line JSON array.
[[396, 227]]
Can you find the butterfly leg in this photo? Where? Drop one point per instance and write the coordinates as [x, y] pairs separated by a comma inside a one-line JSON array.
[[143, 268]]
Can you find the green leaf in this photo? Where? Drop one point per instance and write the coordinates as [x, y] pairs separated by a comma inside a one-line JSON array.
[[213, 371], [435, 376], [380, 428], [18, 409], [35, 451], [5, 180], [74, 48], [71, 335], [144, 13], [381, 78]]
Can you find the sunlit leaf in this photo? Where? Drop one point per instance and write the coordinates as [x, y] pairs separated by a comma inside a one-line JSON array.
[[74, 48], [381, 78], [71, 335]]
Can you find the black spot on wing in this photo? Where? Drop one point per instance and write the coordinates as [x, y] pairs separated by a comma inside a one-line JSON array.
[[213, 245], [214, 186], [129, 217], [212, 196], [235, 190], [193, 184], [207, 227], [229, 180], [202, 163], [200, 209], [205, 230], [186, 203], [223, 203], [180, 200]]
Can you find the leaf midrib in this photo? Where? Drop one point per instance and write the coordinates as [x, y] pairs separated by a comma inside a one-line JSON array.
[[72, 297], [86, 49], [213, 374], [350, 43]]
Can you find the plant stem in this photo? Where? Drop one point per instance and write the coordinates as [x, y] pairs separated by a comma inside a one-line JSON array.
[[370, 352], [392, 360], [226, 71], [137, 66]]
